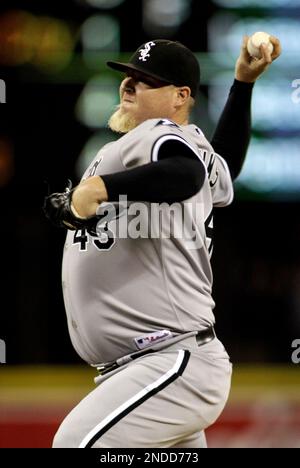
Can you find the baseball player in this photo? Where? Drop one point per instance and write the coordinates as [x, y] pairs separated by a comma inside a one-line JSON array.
[[140, 307]]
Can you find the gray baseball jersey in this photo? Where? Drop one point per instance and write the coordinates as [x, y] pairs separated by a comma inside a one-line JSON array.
[[122, 292]]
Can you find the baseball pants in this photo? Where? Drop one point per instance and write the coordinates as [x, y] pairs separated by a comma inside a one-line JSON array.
[[162, 400]]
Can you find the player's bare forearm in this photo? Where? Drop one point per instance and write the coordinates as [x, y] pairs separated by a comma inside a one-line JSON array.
[[88, 196], [249, 69]]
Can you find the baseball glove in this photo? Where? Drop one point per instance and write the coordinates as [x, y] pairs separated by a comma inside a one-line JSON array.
[[57, 208]]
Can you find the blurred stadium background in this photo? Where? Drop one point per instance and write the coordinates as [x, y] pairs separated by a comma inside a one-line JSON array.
[[56, 95]]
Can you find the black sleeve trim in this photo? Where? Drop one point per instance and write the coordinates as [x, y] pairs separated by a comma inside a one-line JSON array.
[[232, 136], [178, 175]]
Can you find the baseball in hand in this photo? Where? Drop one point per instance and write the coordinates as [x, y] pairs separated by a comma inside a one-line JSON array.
[[256, 41]]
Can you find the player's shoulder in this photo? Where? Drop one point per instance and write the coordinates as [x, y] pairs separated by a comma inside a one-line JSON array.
[[191, 134], [199, 138], [159, 126], [165, 123], [156, 131], [153, 130], [168, 129]]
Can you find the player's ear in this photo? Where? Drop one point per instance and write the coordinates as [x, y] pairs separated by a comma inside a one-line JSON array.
[[183, 95]]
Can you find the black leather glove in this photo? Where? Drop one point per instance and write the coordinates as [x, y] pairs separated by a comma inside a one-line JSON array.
[[57, 208]]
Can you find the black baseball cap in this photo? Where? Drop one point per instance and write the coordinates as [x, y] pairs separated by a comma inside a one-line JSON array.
[[167, 61]]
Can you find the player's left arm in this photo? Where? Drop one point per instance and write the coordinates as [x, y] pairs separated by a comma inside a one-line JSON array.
[[232, 135], [177, 175]]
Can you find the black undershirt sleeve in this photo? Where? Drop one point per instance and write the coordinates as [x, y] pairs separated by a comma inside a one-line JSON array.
[[232, 136], [176, 176]]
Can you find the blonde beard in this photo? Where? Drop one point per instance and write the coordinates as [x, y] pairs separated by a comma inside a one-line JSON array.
[[121, 122]]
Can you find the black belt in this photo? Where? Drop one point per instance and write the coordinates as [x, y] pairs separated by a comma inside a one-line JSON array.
[[205, 336]]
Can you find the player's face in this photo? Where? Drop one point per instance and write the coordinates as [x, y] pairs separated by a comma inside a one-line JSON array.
[[144, 98]]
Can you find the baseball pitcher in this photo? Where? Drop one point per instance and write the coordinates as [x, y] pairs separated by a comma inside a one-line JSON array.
[[137, 278]]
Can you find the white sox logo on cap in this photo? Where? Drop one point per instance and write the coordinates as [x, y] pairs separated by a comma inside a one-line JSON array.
[[145, 52]]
